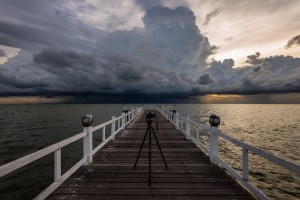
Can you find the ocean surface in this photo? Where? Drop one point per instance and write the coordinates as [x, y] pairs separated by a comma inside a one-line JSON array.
[[25, 129]]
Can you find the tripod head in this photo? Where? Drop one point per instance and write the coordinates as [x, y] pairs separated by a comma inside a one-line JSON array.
[[149, 117]]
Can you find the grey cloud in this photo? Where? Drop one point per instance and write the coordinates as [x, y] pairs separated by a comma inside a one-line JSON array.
[[170, 40], [210, 16], [2, 53], [163, 16], [254, 59], [256, 69], [270, 75], [19, 28], [205, 79], [146, 4], [130, 73], [61, 59], [295, 41]]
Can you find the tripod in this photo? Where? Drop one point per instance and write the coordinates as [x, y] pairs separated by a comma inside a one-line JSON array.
[[150, 130]]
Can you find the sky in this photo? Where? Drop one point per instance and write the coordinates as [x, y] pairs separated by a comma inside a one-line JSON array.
[[149, 51]]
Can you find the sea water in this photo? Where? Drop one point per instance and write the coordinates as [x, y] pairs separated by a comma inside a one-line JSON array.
[[25, 129]]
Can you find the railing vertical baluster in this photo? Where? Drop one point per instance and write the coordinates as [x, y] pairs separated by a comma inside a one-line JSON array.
[[113, 127], [119, 120], [103, 133], [214, 144], [198, 135], [188, 127], [123, 120], [88, 144], [245, 164], [57, 165], [173, 118], [177, 120], [181, 124]]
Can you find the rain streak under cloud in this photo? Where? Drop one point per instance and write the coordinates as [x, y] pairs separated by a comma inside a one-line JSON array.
[[68, 48]]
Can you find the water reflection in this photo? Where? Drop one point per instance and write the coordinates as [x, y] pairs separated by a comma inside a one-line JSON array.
[[273, 128]]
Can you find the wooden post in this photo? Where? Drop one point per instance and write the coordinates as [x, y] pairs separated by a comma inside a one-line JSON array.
[[113, 127], [88, 145], [57, 165], [177, 120], [214, 144], [245, 165], [188, 127]]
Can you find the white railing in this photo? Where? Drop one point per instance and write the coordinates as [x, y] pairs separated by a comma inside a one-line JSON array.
[[213, 150], [116, 123]]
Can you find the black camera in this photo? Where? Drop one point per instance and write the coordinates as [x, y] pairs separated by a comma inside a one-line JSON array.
[[150, 115]]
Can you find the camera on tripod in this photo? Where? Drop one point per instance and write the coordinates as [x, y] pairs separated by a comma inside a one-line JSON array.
[[150, 131], [149, 116]]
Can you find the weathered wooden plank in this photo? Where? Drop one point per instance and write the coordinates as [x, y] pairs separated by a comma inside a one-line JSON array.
[[145, 197], [153, 191], [208, 185]]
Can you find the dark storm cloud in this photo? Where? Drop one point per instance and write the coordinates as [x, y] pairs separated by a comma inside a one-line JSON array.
[[163, 57], [2, 53], [205, 79], [295, 41], [210, 16], [167, 58]]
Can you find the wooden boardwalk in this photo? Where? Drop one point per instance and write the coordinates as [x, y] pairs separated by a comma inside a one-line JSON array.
[[112, 176]]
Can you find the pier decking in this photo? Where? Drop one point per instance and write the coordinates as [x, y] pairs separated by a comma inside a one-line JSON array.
[[112, 176]]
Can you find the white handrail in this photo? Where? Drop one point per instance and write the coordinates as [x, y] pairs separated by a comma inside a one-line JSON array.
[[87, 135], [212, 151]]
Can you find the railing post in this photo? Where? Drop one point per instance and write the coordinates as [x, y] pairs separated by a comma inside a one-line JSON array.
[[177, 120], [113, 127], [214, 144], [245, 165], [123, 121], [188, 127], [57, 165], [87, 122], [88, 145]]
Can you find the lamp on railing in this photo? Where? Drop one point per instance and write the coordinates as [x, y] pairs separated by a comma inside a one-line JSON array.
[[87, 120], [214, 120]]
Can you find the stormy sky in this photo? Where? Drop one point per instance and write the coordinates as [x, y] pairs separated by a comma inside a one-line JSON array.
[[156, 51]]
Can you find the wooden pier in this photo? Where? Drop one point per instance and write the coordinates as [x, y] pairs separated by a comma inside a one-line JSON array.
[[112, 176]]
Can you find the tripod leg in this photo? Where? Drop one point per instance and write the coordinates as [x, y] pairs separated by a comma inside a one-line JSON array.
[[161, 153], [141, 147], [149, 174]]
